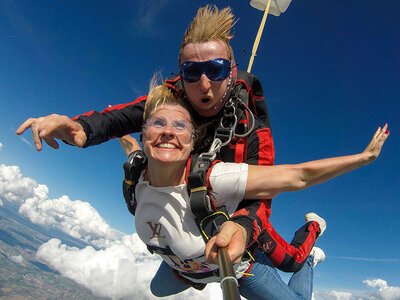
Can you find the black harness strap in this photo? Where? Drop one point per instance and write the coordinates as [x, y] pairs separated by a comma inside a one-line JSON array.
[[159, 250], [207, 217], [199, 201], [137, 161]]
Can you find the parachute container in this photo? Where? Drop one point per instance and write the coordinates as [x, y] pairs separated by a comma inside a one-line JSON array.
[[276, 7]]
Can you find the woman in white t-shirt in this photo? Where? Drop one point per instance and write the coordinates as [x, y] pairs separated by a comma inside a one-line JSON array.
[[163, 217]]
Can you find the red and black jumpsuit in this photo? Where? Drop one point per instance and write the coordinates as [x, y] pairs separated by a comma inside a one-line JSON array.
[[256, 149]]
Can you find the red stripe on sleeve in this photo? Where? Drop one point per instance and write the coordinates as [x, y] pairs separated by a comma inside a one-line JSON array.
[[118, 106], [266, 153]]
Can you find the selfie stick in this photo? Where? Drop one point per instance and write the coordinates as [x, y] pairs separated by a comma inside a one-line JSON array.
[[229, 283], [258, 37]]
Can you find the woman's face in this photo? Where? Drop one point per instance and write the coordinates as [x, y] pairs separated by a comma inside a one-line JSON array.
[[168, 135]]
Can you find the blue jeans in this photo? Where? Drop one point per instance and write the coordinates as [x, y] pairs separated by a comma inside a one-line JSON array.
[[265, 284], [164, 283]]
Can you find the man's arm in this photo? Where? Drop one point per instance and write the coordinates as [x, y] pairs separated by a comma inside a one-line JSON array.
[[88, 129], [114, 121]]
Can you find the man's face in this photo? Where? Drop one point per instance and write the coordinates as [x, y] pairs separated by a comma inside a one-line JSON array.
[[204, 95]]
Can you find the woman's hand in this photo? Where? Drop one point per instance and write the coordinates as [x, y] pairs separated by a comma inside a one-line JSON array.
[[231, 234], [53, 127], [374, 147]]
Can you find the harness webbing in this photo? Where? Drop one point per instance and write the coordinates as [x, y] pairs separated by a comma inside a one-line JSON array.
[[201, 205]]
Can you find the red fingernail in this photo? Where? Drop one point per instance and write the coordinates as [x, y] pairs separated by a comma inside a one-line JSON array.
[[387, 132]]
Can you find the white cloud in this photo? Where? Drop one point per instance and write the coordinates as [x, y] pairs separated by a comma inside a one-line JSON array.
[[1, 146], [376, 283], [336, 295], [14, 187], [144, 17], [385, 291], [76, 218], [123, 269], [17, 259]]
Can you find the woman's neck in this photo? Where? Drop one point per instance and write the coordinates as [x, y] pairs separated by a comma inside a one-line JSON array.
[[163, 175]]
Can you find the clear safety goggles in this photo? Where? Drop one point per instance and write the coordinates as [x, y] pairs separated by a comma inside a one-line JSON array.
[[161, 123]]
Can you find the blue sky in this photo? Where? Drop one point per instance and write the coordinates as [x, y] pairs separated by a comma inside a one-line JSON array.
[[330, 72]]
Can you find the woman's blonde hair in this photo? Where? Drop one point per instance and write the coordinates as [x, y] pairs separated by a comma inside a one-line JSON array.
[[159, 95], [210, 24]]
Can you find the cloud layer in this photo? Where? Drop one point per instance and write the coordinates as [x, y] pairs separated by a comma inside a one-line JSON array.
[[76, 218], [382, 291], [123, 269], [120, 269]]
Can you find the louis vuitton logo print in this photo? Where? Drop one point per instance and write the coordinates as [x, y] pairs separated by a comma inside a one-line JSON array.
[[156, 228]]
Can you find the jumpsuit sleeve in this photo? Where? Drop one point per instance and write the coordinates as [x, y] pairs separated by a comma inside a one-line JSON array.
[[254, 214], [114, 121]]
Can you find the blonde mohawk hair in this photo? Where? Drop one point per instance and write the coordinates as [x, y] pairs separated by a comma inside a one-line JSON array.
[[210, 24]]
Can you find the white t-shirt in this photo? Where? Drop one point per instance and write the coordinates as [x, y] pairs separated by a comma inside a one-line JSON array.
[[163, 218]]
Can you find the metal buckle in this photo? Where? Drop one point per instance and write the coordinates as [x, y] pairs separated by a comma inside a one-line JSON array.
[[212, 152]]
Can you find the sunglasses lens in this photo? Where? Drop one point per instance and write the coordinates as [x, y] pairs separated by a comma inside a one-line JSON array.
[[191, 71], [215, 70]]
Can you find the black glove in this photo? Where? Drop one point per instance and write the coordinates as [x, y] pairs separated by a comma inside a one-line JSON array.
[[137, 161]]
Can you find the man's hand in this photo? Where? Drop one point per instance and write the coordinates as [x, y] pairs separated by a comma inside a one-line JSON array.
[[53, 127], [232, 235]]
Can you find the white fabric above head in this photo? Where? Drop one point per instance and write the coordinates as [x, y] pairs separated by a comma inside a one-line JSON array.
[[276, 7], [163, 217]]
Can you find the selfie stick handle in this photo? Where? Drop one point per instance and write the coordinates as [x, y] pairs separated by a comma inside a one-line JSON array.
[[229, 283], [258, 37]]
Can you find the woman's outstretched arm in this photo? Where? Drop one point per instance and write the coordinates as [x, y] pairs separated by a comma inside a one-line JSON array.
[[269, 181]]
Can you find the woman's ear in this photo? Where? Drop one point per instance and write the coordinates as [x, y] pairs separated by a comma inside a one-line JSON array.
[[192, 146]]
